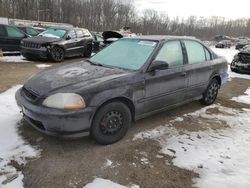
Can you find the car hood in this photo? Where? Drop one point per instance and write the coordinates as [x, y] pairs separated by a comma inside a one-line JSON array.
[[41, 39], [71, 77]]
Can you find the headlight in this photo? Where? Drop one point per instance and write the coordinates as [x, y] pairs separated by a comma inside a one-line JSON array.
[[66, 101]]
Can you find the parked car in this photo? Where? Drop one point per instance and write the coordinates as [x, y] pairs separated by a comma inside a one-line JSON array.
[[10, 38], [98, 43], [241, 44], [126, 81], [241, 61], [58, 43], [224, 44], [29, 30]]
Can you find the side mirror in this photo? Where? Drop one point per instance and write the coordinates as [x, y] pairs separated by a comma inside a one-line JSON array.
[[68, 37], [158, 65]]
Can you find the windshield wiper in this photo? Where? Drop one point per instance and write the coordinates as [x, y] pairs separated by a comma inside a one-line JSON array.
[[92, 63]]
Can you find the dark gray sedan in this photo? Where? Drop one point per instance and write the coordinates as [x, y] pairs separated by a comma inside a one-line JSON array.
[[129, 80]]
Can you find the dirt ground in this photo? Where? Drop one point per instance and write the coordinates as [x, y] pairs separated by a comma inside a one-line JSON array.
[[76, 163]]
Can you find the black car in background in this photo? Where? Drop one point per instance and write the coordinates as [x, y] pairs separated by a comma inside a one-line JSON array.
[[29, 30], [241, 61], [10, 38], [58, 43], [130, 79], [241, 44], [224, 44]]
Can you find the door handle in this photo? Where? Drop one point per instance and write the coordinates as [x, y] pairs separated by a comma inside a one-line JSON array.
[[183, 74]]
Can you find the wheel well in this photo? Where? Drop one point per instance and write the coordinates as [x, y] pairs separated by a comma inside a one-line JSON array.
[[125, 101], [218, 79]]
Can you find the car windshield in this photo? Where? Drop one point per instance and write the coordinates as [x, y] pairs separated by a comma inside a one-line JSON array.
[[53, 33], [126, 53]]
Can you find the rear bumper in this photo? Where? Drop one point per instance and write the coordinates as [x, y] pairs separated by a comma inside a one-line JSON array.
[[41, 53], [224, 78], [55, 122]]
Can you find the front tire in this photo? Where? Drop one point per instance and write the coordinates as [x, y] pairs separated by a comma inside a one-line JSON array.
[[111, 123], [57, 54], [88, 51], [211, 93]]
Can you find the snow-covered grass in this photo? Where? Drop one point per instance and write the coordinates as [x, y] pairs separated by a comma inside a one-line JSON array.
[[103, 183], [243, 98], [12, 146], [43, 66], [219, 156], [13, 59]]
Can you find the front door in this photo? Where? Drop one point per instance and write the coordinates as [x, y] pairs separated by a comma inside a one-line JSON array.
[[166, 87]]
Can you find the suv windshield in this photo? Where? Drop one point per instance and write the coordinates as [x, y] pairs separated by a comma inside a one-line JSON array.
[[126, 53], [53, 33]]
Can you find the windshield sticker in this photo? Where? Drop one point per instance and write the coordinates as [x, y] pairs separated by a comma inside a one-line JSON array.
[[147, 43]]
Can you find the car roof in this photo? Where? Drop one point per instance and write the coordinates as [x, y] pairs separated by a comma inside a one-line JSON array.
[[161, 37]]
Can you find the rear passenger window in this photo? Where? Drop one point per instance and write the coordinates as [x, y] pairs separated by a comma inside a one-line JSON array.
[[195, 52], [79, 34], [208, 55], [171, 52], [13, 32], [72, 34]]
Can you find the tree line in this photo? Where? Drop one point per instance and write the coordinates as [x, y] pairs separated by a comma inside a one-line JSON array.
[[100, 15]]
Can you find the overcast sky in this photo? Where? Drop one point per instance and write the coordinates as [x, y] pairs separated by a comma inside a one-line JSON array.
[[183, 8]]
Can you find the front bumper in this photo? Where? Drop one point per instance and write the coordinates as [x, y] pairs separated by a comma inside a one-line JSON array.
[[240, 67], [41, 53], [55, 122]]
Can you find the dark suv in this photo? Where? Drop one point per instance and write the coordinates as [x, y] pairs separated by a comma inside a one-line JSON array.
[[58, 43], [10, 38], [128, 80]]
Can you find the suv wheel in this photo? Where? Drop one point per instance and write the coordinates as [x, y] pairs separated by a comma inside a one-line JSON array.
[[211, 92], [57, 54], [88, 51], [111, 123]]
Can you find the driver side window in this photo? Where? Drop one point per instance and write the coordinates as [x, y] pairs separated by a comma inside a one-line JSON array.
[[171, 52]]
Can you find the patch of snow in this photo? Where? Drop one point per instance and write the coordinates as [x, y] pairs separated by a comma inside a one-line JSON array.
[[103, 183], [13, 59], [108, 163], [43, 66], [228, 53], [219, 156], [144, 161], [243, 98], [237, 75], [12, 146]]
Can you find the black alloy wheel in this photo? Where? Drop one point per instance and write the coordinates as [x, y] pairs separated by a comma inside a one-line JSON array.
[[211, 92]]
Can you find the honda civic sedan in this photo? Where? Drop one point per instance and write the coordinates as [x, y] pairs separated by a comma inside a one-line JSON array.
[[129, 80]]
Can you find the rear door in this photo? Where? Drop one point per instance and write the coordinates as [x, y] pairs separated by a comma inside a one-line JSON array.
[[166, 87], [13, 38], [80, 41], [71, 43], [199, 67]]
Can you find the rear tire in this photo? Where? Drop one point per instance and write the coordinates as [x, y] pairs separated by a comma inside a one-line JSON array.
[[57, 54], [211, 93], [111, 123]]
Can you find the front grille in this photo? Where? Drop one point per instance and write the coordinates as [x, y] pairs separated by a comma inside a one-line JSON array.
[[30, 95], [31, 45], [245, 58]]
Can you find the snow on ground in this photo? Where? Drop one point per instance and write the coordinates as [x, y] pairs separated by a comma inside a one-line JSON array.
[[12, 146], [228, 53], [43, 66], [219, 156], [103, 183], [14, 59], [243, 98]]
